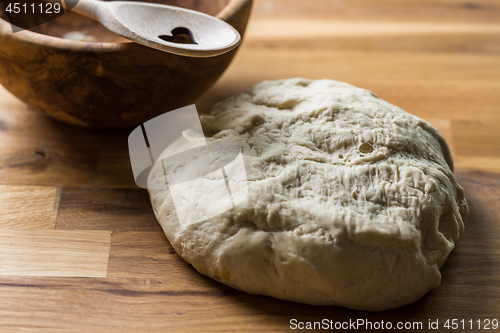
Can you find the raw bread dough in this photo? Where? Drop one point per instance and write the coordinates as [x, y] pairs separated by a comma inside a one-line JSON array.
[[352, 201]]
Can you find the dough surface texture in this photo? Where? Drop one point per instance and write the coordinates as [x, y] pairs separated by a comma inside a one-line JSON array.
[[351, 200]]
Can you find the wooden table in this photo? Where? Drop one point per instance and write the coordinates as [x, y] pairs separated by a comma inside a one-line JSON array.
[[81, 250]]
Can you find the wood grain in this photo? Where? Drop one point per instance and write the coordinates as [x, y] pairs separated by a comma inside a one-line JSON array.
[[28, 207], [486, 164], [47, 166], [114, 169], [148, 255], [303, 29], [383, 10], [54, 253], [437, 59], [22, 127], [477, 138], [105, 209]]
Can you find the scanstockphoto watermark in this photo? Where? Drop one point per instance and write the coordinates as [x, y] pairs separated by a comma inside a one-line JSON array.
[[356, 324], [365, 324], [205, 179]]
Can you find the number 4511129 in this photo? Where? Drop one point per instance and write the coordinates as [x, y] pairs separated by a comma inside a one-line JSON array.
[[484, 324], [24, 8]]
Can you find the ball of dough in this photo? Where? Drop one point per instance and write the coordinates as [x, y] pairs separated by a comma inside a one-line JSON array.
[[351, 200]]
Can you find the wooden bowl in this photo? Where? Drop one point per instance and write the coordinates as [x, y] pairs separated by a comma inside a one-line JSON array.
[[110, 83]]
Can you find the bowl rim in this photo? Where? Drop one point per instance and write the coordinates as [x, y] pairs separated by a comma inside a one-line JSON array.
[[31, 37]]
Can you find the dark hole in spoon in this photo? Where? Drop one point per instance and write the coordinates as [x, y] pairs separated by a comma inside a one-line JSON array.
[[179, 35]]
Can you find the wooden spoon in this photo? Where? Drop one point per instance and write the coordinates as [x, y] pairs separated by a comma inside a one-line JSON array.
[[167, 28]]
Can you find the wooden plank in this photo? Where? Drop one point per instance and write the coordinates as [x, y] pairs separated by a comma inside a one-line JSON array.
[[114, 169], [477, 138], [28, 207], [445, 85], [23, 127], [408, 10], [134, 304], [150, 255], [419, 43], [26, 136], [479, 184], [54, 253], [448, 70], [121, 305], [482, 192], [486, 164], [47, 166], [300, 29], [106, 209]]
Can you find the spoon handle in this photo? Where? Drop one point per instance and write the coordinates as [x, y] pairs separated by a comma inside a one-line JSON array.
[[93, 9]]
